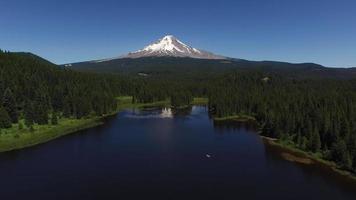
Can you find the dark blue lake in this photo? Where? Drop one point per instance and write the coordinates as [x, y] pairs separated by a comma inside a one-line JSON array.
[[159, 155]]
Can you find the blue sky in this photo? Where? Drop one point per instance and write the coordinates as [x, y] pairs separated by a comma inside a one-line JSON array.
[[320, 31]]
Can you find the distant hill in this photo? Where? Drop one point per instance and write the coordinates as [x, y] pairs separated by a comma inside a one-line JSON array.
[[178, 66]]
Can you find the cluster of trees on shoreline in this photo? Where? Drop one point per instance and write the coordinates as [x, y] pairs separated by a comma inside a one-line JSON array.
[[178, 92], [315, 115]]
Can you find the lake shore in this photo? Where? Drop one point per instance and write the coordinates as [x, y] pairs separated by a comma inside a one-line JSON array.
[[238, 118], [292, 153], [16, 138], [296, 155]]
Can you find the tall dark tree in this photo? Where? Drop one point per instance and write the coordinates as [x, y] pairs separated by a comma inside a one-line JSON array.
[[340, 154], [54, 118], [5, 121], [29, 114], [9, 103], [315, 141]]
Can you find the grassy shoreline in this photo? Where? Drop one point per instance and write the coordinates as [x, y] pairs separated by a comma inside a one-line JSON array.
[[239, 118], [200, 101], [43, 133], [16, 138]]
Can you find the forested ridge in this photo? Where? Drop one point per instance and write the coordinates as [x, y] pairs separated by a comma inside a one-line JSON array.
[[314, 114], [172, 67], [36, 90]]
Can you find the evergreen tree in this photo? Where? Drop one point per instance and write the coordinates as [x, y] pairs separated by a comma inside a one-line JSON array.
[[29, 114], [67, 111], [20, 125], [304, 143], [316, 143], [339, 152], [299, 139], [5, 121], [54, 118], [41, 109], [9, 103]]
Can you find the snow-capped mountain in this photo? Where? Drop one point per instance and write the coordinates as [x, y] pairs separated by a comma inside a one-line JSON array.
[[171, 46]]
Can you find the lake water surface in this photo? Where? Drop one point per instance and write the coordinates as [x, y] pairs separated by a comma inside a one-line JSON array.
[[159, 155]]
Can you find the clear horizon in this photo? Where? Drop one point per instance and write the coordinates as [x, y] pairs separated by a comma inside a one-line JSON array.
[[321, 31]]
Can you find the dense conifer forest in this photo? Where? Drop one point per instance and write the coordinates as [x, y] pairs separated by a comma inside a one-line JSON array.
[[314, 114], [39, 92]]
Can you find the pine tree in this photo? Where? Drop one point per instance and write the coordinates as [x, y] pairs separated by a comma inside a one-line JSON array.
[[41, 115], [67, 111], [20, 125], [9, 103], [54, 118], [345, 128], [29, 114], [339, 152], [41, 109], [299, 139], [316, 143], [5, 121], [304, 144]]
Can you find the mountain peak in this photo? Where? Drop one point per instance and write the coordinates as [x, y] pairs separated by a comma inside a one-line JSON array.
[[168, 43], [169, 37], [170, 46]]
